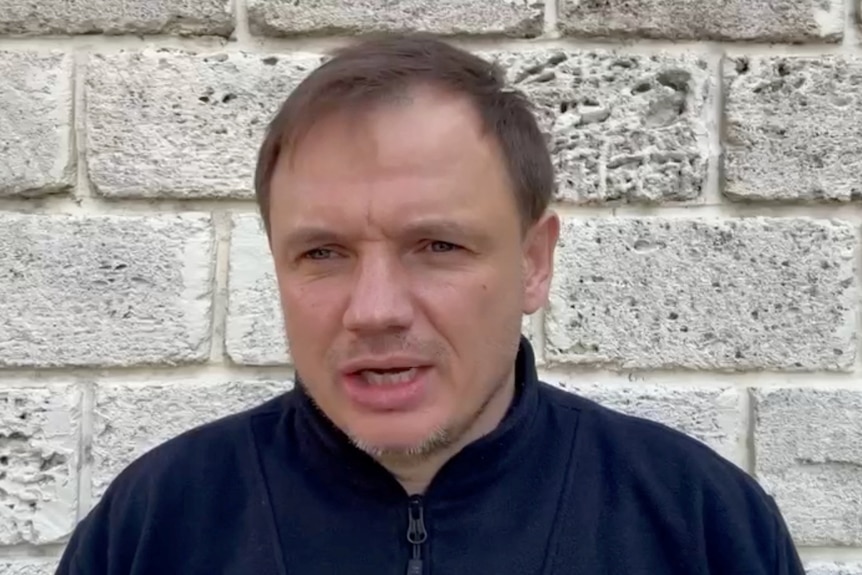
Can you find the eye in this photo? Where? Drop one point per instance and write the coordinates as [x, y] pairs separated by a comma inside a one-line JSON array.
[[440, 246], [318, 254]]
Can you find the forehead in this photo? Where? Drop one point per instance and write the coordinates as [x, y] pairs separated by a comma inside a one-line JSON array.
[[427, 148], [410, 130]]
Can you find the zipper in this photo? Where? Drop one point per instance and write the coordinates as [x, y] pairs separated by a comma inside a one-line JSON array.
[[416, 535]]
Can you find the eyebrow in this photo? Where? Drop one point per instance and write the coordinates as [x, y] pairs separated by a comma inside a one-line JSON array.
[[309, 235], [441, 228]]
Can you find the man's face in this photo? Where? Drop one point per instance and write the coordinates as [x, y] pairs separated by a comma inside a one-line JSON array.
[[403, 272]]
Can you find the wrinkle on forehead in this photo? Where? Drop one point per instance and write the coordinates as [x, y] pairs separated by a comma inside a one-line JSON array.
[[375, 168], [395, 128]]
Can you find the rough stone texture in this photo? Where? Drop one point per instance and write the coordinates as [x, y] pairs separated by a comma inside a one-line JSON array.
[[793, 128], [35, 122], [519, 18], [255, 332], [39, 431], [104, 290], [745, 293], [711, 415], [808, 447], [773, 21], [28, 566], [620, 127], [827, 568], [132, 418], [181, 17], [175, 124], [528, 331]]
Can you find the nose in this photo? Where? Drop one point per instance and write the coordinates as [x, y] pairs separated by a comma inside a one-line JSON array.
[[380, 300]]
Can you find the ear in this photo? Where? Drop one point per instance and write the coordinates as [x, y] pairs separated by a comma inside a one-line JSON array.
[[538, 260]]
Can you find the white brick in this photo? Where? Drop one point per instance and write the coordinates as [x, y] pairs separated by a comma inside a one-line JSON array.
[[132, 418], [528, 331], [255, 333], [522, 18], [166, 123], [745, 293], [39, 434], [104, 290], [789, 21], [793, 128], [829, 568], [181, 17], [713, 416], [808, 446], [28, 566], [621, 127], [35, 122]]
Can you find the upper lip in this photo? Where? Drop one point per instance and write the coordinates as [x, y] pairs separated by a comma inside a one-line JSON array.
[[390, 362]]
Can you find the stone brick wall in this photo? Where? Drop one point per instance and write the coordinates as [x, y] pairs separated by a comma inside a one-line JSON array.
[[709, 158]]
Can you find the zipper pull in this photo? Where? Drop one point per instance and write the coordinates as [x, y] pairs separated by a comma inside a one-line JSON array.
[[416, 535]]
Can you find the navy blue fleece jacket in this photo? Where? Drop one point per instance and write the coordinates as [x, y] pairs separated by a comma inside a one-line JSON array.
[[563, 486]]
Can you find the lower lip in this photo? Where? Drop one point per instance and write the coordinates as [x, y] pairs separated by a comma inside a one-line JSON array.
[[387, 397]]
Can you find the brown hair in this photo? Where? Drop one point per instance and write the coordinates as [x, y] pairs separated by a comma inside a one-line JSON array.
[[382, 67]]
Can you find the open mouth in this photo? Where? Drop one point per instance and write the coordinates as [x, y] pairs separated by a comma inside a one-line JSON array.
[[394, 385], [392, 376]]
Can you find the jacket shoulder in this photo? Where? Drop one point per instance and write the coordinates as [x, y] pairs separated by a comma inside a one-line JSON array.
[[622, 436], [197, 449], [681, 484], [204, 473]]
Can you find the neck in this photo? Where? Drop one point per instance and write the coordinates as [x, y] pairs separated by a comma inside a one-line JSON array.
[[415, 473]]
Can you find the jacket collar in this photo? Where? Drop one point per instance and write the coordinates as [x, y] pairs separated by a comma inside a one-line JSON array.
[[327, 450]]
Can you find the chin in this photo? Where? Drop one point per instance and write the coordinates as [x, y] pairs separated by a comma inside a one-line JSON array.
[[401, 446]]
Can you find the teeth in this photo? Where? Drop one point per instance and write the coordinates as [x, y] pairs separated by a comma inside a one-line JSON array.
[[389, 377]]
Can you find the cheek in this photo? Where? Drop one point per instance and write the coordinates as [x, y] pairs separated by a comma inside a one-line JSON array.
[[467, 302], [310, 310]]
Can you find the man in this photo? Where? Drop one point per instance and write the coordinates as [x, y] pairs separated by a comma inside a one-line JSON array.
[[405, 195]]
